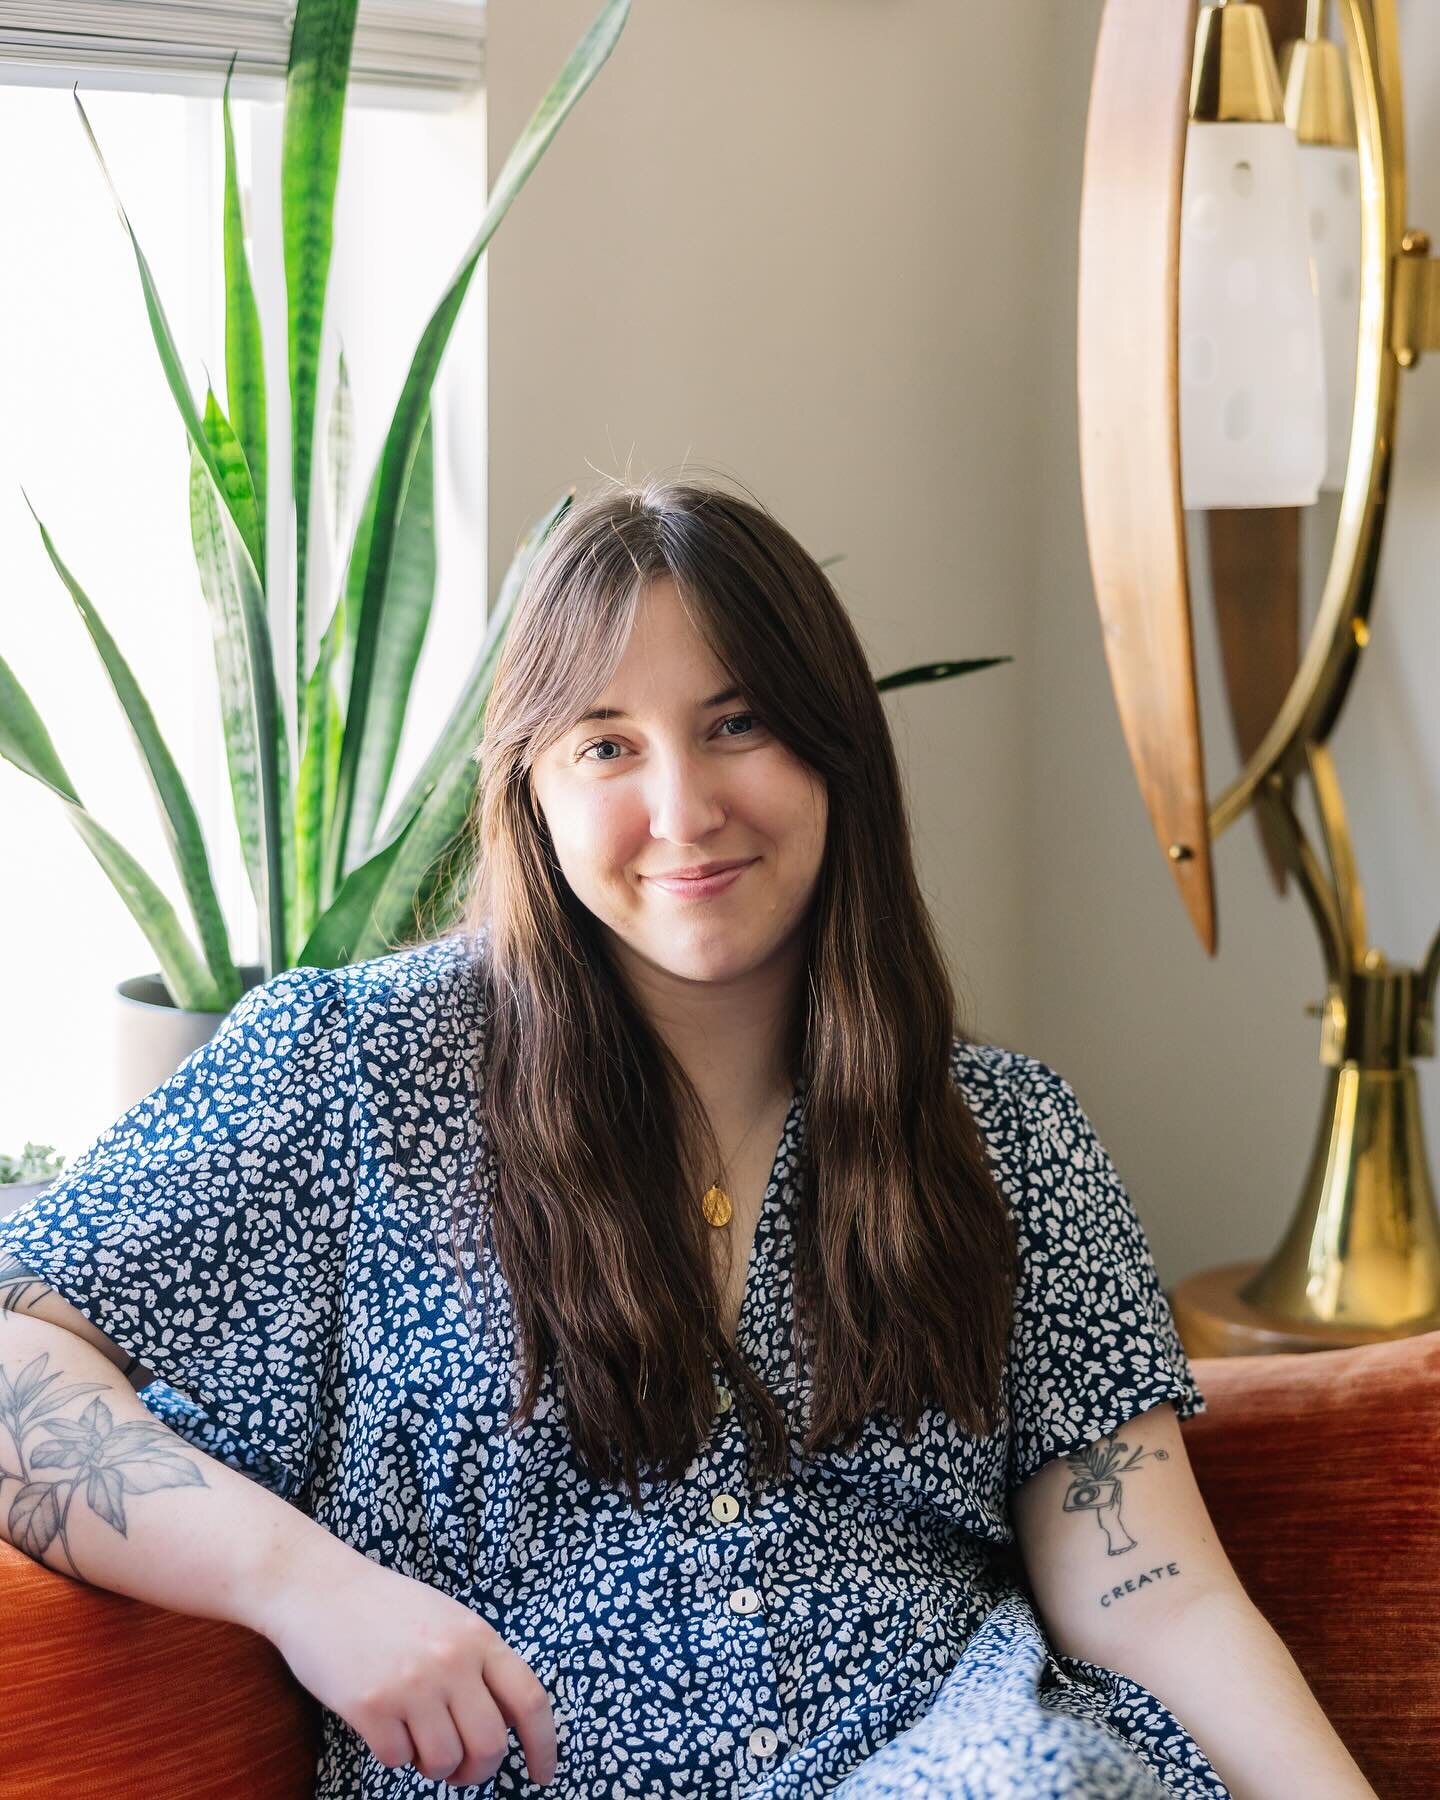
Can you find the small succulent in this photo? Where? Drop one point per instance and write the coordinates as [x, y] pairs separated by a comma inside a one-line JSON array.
[[36, 1162]]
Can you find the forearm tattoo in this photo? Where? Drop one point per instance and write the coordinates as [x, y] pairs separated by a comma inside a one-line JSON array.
[[20, 1288], [18, 1285], [93, 1453]]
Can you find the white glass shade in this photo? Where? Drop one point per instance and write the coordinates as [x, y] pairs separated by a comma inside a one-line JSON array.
[[1252, 371], [1330, 182]]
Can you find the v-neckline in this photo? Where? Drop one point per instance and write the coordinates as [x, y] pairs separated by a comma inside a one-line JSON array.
[[757, 1259]]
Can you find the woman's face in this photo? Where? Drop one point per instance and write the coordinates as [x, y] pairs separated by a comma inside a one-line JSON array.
[[682, 776]]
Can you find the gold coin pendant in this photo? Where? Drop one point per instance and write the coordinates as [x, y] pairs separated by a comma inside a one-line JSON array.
[[716, 1206]]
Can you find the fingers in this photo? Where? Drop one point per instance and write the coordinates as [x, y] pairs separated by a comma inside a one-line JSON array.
[[483, 1731], [525, 1704], [389, 1741], [438, 1745]]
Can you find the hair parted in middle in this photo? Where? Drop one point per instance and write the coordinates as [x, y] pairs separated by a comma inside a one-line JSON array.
[[905, 1252]]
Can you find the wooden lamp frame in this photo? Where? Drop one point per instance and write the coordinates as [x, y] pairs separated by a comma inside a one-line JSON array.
[[1362, 1257]]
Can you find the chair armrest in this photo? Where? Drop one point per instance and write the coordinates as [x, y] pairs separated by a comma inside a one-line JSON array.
[[1320, 1470], [104, 1693]]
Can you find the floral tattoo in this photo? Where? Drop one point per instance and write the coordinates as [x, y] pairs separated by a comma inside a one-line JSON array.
[[106, 1459]]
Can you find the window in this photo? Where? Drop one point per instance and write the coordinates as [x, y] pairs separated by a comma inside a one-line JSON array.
[[409, 53], [94, 438]]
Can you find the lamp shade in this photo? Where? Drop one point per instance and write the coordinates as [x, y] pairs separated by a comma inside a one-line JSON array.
[[1252, 368], [1330, 182]]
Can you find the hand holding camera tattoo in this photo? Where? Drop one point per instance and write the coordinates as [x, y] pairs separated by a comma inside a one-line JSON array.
[[1095, 1487]]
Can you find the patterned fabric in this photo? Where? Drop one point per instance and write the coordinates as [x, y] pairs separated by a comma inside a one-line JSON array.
[[264, 1232]]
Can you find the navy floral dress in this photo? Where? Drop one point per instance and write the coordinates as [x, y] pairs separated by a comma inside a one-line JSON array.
[[264, 1232]]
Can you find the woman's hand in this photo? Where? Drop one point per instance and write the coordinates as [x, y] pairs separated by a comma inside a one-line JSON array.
[[422, 1678]]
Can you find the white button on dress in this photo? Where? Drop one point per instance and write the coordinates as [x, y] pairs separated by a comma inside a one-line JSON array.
[[763, 1741], [745, 1600], [724, 1507], [723, 1399]]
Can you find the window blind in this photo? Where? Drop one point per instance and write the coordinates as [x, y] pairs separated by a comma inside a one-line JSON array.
[[427, 53]]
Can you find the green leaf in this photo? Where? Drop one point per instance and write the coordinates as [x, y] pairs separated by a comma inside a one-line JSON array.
[[403, 439], [339, 448], [255, 742], [323, 717], [181, 822], [431, 835], [418, 875], [334, 734], [376, 906], [323, 730], [25, 742], [944, 671], [160, 330], [244, 350], [309, 801], [346, 921], [353, 590], [235, 485], [315, 84], [314, 788], [409, 596], [460, 735], [328, 729]]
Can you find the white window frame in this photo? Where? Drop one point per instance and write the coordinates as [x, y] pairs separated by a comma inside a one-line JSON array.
[[417, 54]]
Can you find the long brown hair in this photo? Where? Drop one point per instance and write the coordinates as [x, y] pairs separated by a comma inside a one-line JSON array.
[[905, 1255]]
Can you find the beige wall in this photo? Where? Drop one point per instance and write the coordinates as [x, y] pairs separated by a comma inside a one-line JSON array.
[[829, 249], [784, 244]]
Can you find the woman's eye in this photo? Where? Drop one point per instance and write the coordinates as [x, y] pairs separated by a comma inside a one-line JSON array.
[[749, 717], [730, 718]]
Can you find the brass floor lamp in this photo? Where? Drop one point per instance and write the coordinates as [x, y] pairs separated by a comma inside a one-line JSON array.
[[1360, 1259]]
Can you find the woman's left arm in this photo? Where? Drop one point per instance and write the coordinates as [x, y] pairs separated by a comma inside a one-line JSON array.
[[1127, 1572]]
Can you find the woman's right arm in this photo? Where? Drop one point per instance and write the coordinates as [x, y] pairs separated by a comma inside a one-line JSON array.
[[93, 1486]]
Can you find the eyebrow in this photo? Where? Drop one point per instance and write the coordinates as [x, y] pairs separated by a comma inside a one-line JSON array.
[[614, 712]]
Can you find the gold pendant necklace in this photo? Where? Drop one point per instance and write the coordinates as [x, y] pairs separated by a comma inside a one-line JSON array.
[[715, 1203], [716, 1206]]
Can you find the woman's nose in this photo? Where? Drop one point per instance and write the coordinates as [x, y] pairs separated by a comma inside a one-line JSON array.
[[685, 798]]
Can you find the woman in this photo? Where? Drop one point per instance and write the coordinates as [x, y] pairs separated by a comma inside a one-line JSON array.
[[716, 1358]]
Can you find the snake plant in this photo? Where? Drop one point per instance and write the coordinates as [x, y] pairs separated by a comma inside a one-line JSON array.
[[332, 883]]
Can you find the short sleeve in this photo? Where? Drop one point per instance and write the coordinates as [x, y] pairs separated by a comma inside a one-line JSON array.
[[1094, 1340], [205, 1230]]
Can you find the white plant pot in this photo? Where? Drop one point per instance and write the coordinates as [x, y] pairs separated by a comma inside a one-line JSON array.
[[153, 1036]]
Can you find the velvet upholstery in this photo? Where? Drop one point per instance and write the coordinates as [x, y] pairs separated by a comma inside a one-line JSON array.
[[105, 1698], [1321, 1472]]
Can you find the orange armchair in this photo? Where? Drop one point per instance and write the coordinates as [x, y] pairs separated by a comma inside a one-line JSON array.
[[1321, 1472]]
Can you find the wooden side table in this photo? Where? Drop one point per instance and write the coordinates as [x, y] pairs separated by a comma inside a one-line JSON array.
[[1213, 1320]]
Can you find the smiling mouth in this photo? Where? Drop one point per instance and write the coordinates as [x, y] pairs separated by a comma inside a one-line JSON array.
[[700, 887]]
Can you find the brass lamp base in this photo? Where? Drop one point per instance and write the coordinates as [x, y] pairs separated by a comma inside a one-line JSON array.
[[1213, 1320], [1360, 1262]]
